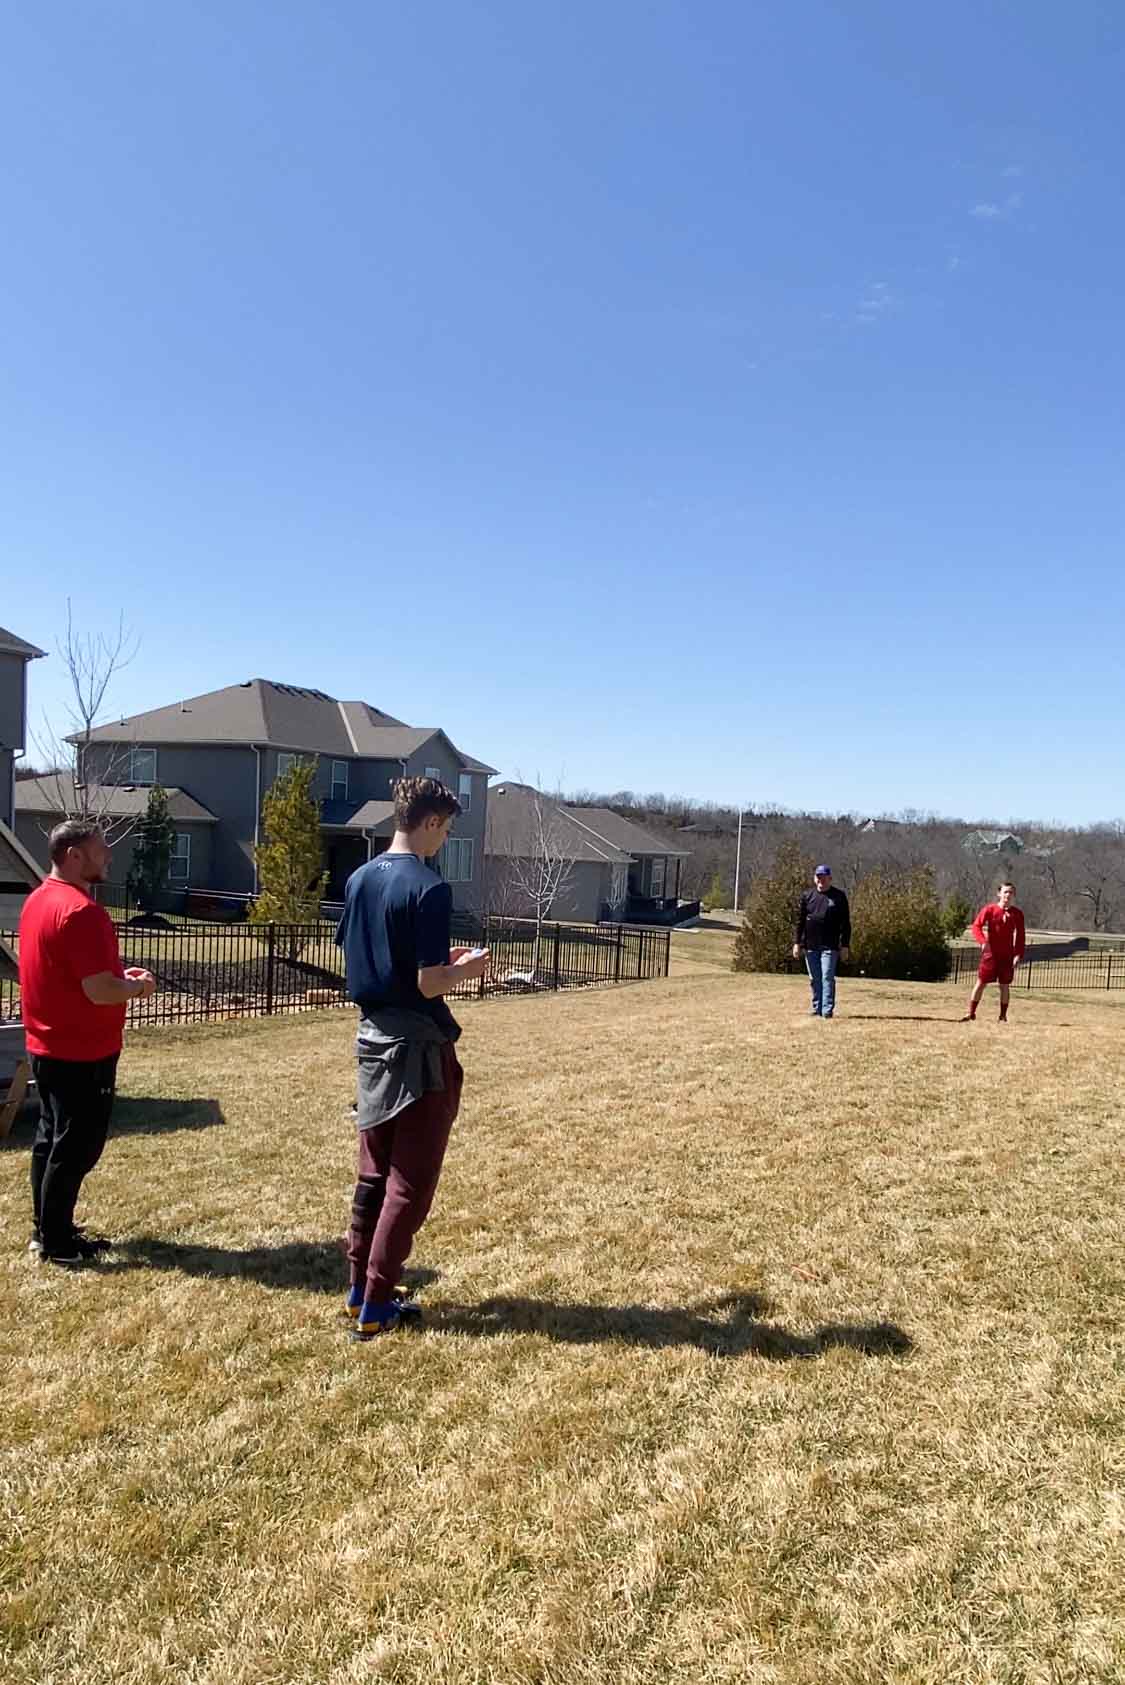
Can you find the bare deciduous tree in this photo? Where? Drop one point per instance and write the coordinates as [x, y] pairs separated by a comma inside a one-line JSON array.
[[531, 869], [1097, 866], [83, 775]]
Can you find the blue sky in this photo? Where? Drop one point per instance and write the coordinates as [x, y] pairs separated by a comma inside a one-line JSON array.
[[715, 399]]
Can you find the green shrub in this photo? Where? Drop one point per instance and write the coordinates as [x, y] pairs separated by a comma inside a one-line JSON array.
[[898, 927]]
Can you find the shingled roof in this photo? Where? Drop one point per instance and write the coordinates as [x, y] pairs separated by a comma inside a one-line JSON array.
[[512, 828], [282, 716], [11, 645], [624, 834], [117, 801]]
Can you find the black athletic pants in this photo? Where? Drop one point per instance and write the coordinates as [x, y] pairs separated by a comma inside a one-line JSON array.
[[75, 1100]]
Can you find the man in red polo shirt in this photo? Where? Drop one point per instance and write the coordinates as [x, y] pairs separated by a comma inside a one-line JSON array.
[[999, 928], [73, 991]]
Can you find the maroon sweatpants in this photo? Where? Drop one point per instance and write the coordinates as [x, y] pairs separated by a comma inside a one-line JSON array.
[[399, 1166]]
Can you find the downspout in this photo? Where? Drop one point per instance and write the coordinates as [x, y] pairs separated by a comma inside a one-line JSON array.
[[257, 810]]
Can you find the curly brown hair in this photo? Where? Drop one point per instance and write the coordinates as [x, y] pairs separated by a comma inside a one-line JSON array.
[[417, 798]]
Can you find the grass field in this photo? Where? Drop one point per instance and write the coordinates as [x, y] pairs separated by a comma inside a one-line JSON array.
[[757, 1349]]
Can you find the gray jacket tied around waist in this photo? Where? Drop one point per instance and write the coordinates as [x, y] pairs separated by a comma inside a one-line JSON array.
[[399, 1058]]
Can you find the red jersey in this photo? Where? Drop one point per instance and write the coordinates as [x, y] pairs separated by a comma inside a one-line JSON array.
[[65, 936], [1002, 933]]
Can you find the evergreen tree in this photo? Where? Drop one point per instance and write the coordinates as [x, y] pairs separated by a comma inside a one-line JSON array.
[[765, 938], [154, 839], [956, 916], [291, 877]]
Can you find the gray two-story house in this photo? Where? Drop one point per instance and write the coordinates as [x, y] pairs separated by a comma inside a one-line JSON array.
[[224, 750], [15, 653]]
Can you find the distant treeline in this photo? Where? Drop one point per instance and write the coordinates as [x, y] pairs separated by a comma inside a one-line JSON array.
[[1066, 878]]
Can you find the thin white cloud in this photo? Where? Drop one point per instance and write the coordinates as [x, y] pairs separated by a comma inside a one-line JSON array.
[[1013, 170], [989, 211], [876, 301]]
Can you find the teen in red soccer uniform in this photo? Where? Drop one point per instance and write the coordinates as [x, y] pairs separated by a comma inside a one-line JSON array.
[[999, 929]]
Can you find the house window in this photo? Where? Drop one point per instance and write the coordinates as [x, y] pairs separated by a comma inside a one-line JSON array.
[[285, 763], [434, 772], [339, 781], [658, 870], [179, 865], [142, 766], [457, 860], [465, 792]]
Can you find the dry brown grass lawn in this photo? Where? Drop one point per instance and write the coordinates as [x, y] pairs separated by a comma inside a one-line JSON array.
[[733, 1371]]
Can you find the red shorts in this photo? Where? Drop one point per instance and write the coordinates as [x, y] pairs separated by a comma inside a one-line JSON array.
[[996, 968]]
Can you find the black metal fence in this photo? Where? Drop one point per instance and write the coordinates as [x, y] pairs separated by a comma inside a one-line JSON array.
[[1094, 969], [215, 971]]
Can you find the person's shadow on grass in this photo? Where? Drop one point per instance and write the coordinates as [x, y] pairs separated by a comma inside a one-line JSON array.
[[131, 1116], [315, 1266], [733, 1326], [730, 1326]]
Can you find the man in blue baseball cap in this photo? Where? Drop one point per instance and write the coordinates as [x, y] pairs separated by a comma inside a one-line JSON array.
[[824, 930]]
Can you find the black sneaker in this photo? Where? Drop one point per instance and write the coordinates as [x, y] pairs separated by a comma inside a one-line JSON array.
[[92, 1244]]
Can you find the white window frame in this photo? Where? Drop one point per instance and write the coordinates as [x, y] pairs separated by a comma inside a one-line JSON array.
[[181, 850], [465, 792], [655, 893], [459, 849], [435, 772], [337, 780], [134, 775], [286, 762]]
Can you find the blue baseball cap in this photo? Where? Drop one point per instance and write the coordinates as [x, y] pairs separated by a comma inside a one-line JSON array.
[[823, 872]]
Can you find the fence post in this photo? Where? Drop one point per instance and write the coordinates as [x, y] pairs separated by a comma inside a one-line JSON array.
[[668, 950], [271, 936], [1027, 972], [1108, 967], [617, 955], [484, 942], [558, 939]]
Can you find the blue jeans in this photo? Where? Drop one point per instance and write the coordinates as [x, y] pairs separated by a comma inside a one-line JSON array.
[[822, 964]]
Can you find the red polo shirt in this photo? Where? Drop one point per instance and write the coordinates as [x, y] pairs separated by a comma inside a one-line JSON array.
[[65, 936]]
